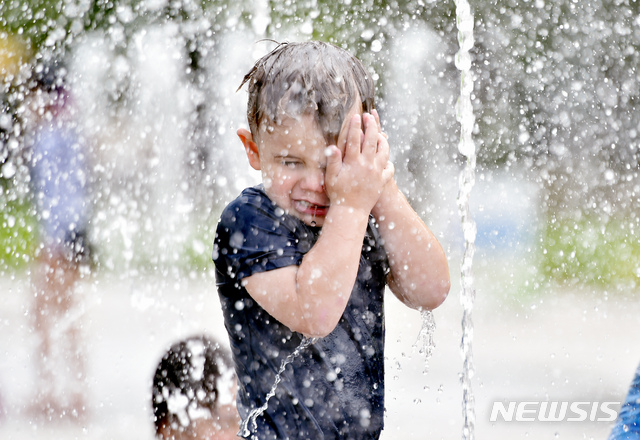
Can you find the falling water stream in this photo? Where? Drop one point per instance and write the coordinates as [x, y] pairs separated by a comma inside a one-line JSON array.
[[466, 147], [425, 343], [257, 412]]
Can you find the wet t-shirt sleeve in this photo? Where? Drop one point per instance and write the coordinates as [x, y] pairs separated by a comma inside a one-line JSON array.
[[254, 235]]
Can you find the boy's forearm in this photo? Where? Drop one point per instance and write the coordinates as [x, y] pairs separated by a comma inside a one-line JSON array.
[[328, 271], [419, 268]]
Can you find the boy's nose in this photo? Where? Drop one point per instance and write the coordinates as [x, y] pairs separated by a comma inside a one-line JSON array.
[[314, 181]]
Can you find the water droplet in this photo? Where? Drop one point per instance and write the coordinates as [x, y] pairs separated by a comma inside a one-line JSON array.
[[367, 34], [8, 170]]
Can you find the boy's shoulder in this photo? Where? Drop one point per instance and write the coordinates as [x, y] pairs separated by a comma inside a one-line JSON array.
[[254, 234], [253, 211], [250, 202], [252, 196]]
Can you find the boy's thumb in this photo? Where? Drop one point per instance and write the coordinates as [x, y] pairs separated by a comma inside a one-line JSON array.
[[334, 159]]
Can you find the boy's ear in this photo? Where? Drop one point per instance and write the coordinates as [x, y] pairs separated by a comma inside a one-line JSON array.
[[250, 147]]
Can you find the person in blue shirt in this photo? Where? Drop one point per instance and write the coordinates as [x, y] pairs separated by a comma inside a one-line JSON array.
[[627, 426], [305, 256], [59, 180]]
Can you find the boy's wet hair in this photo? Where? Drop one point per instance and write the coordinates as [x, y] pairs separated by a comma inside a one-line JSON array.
[[185, 384], [307, 78]]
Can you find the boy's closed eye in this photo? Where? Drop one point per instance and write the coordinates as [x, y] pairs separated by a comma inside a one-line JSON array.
[[291, 163]]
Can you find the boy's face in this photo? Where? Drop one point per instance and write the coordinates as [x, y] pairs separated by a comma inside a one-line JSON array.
[[292, 159]]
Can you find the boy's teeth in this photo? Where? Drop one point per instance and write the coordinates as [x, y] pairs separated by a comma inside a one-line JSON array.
[[304, 204]]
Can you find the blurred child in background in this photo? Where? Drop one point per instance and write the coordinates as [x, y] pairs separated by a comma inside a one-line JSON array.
[[193, 395], [59, 185]]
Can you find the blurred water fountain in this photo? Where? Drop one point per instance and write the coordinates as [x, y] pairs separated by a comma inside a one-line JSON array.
[[466, 147], [418, 114], [419, 99], [228, 110], [147, 121], [162, 93]]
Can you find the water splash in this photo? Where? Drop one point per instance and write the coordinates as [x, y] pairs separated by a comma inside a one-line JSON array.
[[425, 342], [257, 412], [464, 114]]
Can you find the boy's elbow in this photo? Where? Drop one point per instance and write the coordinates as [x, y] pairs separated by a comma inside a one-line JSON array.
[[433, 294], [319, 333], [323, 324], [316, 331], [438, 290], [440, 293], [315, 327]]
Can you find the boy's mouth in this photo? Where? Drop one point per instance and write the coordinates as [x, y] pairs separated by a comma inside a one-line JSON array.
[[309, 208]]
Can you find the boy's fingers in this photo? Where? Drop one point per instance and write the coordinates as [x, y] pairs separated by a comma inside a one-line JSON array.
[[334, 160], [382, 155], [375, 114], [370, 142], [334, 164], [383, 147], [388, 172], [354, 138]]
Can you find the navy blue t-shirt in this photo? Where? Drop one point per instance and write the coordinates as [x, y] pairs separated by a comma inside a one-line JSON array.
[[334, 389]]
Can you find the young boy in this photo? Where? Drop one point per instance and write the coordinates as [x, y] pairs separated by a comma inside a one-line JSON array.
[[187, 389], [308, 253]]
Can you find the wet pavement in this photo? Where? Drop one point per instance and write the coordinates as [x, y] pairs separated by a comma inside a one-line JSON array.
[[566, 345]]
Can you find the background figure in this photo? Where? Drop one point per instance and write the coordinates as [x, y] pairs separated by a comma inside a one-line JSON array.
[[628, 425], [193, 395], [58, 177]]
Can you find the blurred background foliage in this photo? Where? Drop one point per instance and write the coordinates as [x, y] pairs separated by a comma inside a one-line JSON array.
[[555, 98]]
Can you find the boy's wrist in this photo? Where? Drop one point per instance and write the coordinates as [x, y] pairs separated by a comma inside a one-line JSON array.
[[387, 199], [343, 210], [353, 205]]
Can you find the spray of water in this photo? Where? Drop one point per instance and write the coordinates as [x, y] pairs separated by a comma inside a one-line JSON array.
[[464, 114], [426, 342], [257, 412]]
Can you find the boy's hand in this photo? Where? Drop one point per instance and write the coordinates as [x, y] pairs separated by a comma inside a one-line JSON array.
[[356, 178], [375, 114]]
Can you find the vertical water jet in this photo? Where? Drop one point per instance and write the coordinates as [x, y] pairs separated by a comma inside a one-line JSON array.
[[466, 147]]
